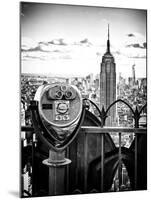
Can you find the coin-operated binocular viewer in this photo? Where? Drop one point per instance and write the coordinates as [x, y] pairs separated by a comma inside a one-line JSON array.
[[57, 115]]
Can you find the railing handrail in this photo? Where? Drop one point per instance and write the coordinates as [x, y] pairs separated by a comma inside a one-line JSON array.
[[95, 129]]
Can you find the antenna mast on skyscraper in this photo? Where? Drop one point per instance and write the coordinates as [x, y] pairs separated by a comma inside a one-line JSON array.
[[108, 40]]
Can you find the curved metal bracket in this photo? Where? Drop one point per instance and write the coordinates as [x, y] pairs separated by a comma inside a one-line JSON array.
[[119, 100], [103, 114]]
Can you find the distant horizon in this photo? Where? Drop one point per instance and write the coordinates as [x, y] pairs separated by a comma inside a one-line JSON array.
[[80, 76]]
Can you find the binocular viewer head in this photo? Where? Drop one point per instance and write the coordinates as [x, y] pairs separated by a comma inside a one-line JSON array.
[[59, 108], [60, 105], [61, 92]]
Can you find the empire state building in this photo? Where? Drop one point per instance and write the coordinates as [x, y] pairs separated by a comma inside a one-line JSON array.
[[108, 84]]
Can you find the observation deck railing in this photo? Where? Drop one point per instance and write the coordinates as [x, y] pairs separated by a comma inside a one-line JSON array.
[[102, 131]]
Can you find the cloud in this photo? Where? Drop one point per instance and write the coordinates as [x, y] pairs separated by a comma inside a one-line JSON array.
[[86, 41], [137, 45], [42, 47], [59, 41], [43, 43], [133, 46], [37, 48], [55, 49], [133, 39], [32, 57], [130, 35], [134, 52]]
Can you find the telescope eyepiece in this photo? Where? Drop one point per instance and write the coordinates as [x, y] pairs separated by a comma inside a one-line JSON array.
[[68, 94], [63, 88], [58, 94]]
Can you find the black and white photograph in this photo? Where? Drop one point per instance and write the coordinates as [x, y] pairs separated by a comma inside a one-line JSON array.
[[83, 99]]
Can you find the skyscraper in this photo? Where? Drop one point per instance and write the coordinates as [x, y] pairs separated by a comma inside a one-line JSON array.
[[108, 83], [133, 74]]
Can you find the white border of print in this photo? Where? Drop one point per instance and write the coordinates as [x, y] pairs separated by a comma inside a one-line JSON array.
[[9, 99]]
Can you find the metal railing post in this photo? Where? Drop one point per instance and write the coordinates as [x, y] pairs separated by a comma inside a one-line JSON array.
[[102, 162], [136, 118], [135, 164], [85, 161], [67, 172], [120, 163], [57, 165]]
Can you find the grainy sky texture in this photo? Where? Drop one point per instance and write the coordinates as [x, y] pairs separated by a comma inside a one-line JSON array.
[[70, 40]]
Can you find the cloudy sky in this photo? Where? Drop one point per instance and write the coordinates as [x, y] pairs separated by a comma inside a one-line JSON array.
[[71, 40]]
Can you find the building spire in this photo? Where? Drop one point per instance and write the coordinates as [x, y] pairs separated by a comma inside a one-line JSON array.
[[133, 73], [108, 41], [108, 32]]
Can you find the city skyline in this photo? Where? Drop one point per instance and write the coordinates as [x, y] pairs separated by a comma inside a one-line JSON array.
[[71, 40]]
